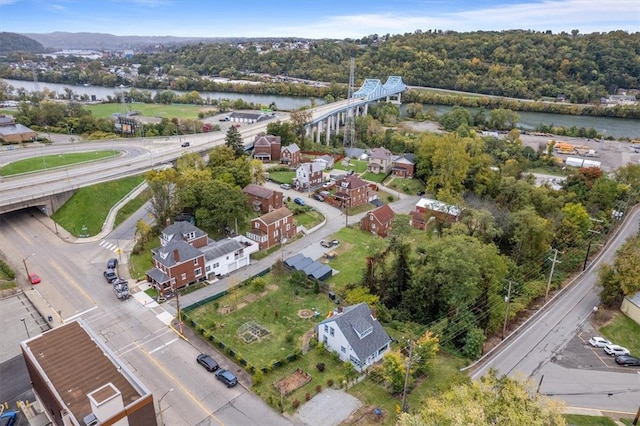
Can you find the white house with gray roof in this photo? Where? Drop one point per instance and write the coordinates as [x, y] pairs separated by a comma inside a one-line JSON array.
[[227, 255], [355, 335]]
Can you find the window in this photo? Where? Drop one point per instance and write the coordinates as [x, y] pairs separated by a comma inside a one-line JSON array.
[[343, 349], [324, 340], [183, 276], [198, 272], [195, 262], [257, 225], [326, 328], [216, 265], [331, 331]]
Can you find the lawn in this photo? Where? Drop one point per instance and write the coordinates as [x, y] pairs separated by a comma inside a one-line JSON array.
[[309, 219], [358, 166], [623, 331], [142, 262], [579, 420], [87, 209], [355, 246], [275, 308], [132, 206], [373, 177], [406, 186], [148, 110], [282, 176], [45, 162]]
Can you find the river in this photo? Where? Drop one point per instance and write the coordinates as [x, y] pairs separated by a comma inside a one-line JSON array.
[[614, 127]]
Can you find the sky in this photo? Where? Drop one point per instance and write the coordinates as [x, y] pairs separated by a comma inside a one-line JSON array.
[[317, 19]]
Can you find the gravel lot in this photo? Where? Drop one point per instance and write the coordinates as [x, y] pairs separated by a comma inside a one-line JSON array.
[[328, 408]]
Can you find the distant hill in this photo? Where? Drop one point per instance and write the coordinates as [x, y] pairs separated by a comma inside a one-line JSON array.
[[99, 41], [13, 42]]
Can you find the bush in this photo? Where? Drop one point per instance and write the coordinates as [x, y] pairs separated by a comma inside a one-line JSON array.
[[318, 388], [258, 284], [307, 396], [320, 366], [295, 404], [330, 382], [258, 376]]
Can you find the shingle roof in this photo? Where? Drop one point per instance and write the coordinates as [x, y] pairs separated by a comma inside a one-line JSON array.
[[312, 167], [274, 216], [221, 248], [292, 148], [258, 191], [352, 181], [181, 228], [14, 129], [438, 206], [356, 319], [165, 255], [76, 363], [384, 214], [380, 154]]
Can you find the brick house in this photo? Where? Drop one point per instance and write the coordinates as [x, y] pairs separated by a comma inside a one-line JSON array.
[[403, 167], [380, 161], [291, 155], [308, 176], [262, 199], [271, 228], [176, 265], [184, 231], [12, 132], [266, 148], [378, 221], [428, 210], [353, 191]]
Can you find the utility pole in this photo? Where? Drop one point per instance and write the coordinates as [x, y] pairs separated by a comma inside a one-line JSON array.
[[592, 231], [507, 300], [553, 267], [406, 377], [179, 312], [350, 130]]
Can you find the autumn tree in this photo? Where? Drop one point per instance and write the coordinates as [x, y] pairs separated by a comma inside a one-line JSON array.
[[491, 401], [163, 201], [233, 140], [299, 119], [621, 278]]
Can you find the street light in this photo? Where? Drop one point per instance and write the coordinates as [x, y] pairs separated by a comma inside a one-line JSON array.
[[24, 261], [160, 405], [25, 327]]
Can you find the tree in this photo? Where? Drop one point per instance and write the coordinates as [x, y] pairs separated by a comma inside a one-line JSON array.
[[163, 197], [450, 163], [491, 401], [233, 140], [502, 119], [622, 276], [425, 350], [394, 370], [299, 120], [455, 118], [361, 294]]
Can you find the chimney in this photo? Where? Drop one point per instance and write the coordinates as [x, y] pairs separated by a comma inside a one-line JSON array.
[[176, 255], [339, 310], [373, 314]]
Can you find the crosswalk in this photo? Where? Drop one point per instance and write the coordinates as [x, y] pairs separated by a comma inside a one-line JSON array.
[[110, 246]]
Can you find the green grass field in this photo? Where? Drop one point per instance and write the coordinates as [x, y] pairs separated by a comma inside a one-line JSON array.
[[45, 162], [149, 110], [623, 331], [87, 209]]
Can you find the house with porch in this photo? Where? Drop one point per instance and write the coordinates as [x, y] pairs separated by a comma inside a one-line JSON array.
[[176, 265], [351, 191], [272, 228], [308, 176], [403, 167], [262, 199], [355, 335], [266, 148], [380, 161], [378, 221], [291, 155]]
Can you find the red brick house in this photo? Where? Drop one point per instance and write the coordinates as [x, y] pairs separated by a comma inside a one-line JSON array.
[[184, 231], [378, 221], [266, 148], [353, 191], [12, 132], [403, 167], [262, 199], [291, 155], [271, 228], [176, 265], [428, 211]]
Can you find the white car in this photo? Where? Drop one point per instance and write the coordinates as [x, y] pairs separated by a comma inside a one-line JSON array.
[[599, 342], [615, 350]]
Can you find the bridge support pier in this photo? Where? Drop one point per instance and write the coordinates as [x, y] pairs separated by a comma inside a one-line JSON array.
[[328, 133]]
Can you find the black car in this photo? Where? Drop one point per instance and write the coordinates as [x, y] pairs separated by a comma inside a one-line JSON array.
[[110, 275], [207, 362], [112, 263], [227, 377], [420, 193], [628, 360]]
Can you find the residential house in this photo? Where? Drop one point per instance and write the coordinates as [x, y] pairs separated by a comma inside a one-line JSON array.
[[176, 265], [262, 199], [272, 228], [308, 176], [403, 167], [266, 148], [12, 132], [378, 221], [78, 380], [184, 231], [228, 254], [357, 153], [355, 335], [327, 161], [380, 161], [619, 100], [290, 155], [351, 191], [428, 210]]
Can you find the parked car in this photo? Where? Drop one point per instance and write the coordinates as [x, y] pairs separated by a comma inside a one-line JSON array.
[[8, 418], [318, 197], [628, 360], [112, 263], [299, 201], [227, 377], [615, 350], [599, 342], [420, 193], [207, 362], [285, 186], [34, 279], [110, 275], [185, 144]]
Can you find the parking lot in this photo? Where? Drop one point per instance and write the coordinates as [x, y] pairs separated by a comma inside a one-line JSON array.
[[579, 354]]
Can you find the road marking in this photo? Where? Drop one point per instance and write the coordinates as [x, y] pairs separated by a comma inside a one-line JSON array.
[[81, 313], [162, 346], [72, 281]]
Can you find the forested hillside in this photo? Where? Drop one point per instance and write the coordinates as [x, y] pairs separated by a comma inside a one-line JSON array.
[[522, 64], [12, 42]]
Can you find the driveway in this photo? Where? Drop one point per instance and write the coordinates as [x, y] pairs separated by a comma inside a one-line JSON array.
[[328, 408]]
